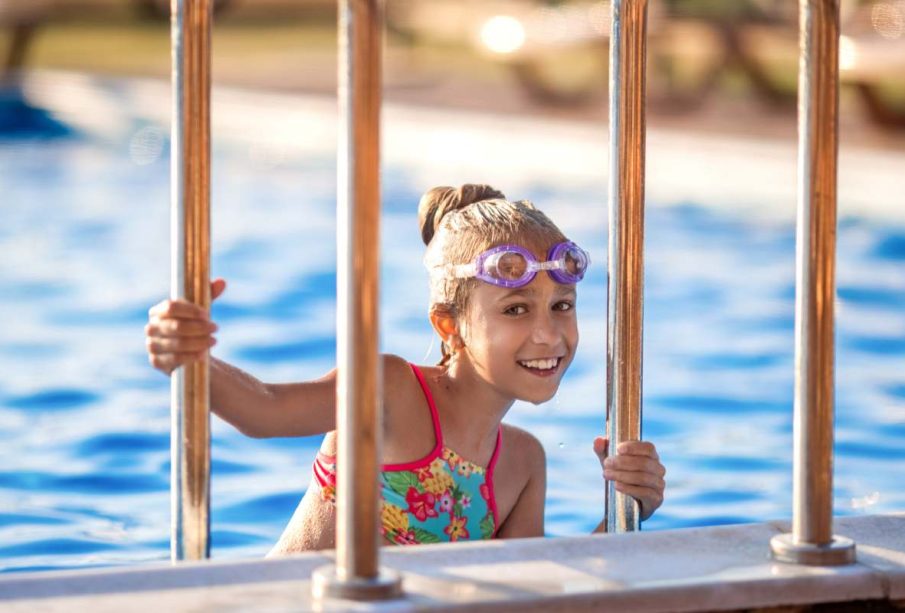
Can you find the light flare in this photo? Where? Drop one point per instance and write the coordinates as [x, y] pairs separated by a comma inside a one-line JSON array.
[[503, 34]]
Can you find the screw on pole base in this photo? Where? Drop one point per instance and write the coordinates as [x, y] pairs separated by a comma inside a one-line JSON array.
[[838, 552], [325, 583]]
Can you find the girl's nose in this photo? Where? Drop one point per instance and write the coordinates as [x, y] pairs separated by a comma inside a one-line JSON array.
[[546, 331]]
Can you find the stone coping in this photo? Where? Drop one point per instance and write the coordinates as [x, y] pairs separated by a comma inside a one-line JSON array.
[[712, 568]]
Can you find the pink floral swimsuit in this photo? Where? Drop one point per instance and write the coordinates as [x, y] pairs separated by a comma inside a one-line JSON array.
[[441, 497]]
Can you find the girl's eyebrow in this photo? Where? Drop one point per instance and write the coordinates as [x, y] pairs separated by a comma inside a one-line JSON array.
[[530, 292], [522, 291]]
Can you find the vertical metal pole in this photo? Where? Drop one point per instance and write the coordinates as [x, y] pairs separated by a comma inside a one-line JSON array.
[[812, 540], [357, 574], [190, 280], [625, 286]]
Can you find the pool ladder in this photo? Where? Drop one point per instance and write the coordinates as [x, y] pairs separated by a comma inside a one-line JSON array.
[[357, 573]]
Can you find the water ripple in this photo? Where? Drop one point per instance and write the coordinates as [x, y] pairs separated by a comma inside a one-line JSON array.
[[733, 361], [234, 538], [872, 296], [271, 508], [890, 247], [319, 347], [724, 496], [21, 519], [884, 345], [56, 547], [53, 400], [696, 403], [737, 464], [124, 442], [873, 449], [101, 484]]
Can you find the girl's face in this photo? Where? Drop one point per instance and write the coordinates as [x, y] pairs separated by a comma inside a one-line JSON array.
[[522, 340]]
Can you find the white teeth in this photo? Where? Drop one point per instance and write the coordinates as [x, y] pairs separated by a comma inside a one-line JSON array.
[[540, 364]]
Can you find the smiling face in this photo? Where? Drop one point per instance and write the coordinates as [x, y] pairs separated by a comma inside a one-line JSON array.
[[521, 341]]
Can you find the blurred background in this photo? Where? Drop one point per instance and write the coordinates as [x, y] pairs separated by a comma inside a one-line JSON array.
[[713, 64], [508, 92]]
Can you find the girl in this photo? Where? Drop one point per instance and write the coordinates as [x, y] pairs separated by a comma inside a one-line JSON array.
[[503, 286]]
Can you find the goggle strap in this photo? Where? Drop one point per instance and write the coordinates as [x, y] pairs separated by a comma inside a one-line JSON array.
[[463, 271]]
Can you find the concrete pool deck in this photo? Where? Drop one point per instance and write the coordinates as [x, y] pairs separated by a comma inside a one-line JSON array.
[[756, 176], [694, 569]]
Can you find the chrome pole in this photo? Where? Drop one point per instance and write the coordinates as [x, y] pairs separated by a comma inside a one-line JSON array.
[[812, 540], [357, 574], [625, 285], [190, 274]]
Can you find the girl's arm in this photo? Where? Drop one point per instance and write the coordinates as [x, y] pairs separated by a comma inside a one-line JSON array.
[[262, 410], [179, 333]]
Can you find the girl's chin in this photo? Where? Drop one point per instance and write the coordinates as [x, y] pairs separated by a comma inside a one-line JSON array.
[[536, 399]]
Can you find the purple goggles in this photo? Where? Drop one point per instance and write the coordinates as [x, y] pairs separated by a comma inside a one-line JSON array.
[[514, 266]]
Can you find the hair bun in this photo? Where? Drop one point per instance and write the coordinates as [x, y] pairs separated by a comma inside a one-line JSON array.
[[438, 201]]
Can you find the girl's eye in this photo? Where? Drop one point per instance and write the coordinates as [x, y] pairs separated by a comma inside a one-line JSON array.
[[516, 309], [564, 305]]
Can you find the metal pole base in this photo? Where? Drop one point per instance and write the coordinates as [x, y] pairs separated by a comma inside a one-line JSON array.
[[838, 552], [325, 583]]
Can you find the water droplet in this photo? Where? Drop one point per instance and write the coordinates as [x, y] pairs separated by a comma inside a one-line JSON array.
[[864, 502], [562, 445]]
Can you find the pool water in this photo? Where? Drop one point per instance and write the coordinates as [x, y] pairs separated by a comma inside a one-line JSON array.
[[84, 420]]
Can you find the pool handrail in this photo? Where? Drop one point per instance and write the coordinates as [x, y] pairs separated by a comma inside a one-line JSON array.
[[811, 540], [190, 274], [357, 573], [625, 279]]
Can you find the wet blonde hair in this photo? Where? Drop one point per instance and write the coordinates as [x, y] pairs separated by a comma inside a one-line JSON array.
[[457, 224]]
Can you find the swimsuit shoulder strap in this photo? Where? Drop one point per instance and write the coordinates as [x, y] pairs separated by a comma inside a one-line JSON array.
[[435, 416]]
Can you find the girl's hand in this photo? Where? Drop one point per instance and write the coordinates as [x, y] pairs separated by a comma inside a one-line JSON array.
[[637, 471], [179, 332]]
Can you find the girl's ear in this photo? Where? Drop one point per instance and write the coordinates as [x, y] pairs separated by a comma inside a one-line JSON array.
[[445, 324]]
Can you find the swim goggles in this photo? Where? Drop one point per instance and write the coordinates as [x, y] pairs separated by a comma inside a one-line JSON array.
[[514, 266]]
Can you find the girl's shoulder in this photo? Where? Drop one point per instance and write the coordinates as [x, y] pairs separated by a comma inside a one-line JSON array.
[[522, 444], [399, 381], [521, 453], [405, 409]]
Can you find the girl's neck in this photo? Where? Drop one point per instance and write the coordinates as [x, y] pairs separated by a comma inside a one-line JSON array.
[[478, 407]]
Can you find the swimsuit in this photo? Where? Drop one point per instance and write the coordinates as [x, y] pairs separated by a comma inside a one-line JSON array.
[[441, 497]]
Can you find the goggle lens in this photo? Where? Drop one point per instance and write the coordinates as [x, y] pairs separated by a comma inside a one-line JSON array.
[[574, 263], [506, 266]]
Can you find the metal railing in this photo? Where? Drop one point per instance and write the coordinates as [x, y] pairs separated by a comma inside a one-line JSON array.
[[811, 540], [190, 274], [357, 573], [625, 285]]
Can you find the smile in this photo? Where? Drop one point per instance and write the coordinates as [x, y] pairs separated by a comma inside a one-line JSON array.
[[542, 367]]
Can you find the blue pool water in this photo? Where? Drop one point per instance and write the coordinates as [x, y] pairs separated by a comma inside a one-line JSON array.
[[84, 420]]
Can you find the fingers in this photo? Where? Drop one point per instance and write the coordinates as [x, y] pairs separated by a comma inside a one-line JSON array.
[[601, 446], [179, 328], [180, 309], [642, 448], [634, 478], [649, 499], [169, 362], [635, 463], [179, 332], [217, 287], [158, 346], [635, 470]]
